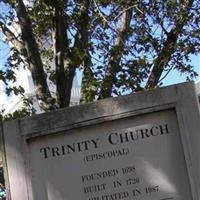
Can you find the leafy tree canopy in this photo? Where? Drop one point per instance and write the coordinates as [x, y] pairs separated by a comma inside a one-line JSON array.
[[121, 46]]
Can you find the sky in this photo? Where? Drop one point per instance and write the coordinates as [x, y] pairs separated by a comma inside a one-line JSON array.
[[4, 51]]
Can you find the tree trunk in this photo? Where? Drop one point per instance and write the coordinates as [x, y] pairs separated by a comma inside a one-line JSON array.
[[116, 53], [169, 45], [61, 52], [43, 95]]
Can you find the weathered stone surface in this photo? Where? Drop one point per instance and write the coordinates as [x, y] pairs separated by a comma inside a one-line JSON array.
[[141, 146]]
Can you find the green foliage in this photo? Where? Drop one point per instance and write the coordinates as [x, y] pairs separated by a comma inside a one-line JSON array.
[[160, 37], [23, 112], [26, 110]]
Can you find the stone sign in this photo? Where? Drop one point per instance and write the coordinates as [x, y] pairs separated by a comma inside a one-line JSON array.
[[139, 147]]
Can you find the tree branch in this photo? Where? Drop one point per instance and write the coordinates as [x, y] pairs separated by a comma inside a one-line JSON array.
[[81, 50], [169, 45], [126, 9], [45, 100], [61, 52], [116, 53], [103, 17], [11, 37]]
